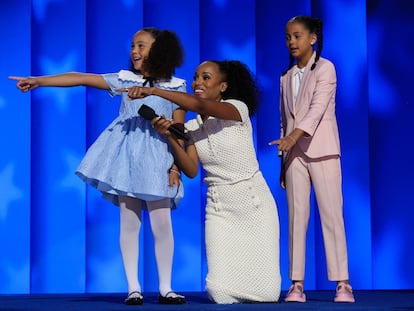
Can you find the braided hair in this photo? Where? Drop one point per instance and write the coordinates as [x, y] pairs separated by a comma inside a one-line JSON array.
[[314, 25]]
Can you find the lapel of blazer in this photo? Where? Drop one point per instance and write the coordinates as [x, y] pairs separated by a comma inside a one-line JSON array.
[[303, 85], [289, 92]]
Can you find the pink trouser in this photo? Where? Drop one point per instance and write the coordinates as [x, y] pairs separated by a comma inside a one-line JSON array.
[[324, 174]]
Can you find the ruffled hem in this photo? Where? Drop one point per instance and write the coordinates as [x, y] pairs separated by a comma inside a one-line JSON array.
[[111, 194]]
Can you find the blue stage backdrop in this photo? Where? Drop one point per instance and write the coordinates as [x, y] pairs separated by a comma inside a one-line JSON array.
[[58, 235]]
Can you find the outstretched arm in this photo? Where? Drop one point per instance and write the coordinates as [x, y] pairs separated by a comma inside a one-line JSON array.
[[214, 108], [69, 79]]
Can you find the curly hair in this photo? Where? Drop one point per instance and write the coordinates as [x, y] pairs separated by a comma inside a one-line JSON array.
[[241, 83], [165, 55]]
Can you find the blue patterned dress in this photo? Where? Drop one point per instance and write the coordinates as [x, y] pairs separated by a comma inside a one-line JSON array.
[[129, 157]]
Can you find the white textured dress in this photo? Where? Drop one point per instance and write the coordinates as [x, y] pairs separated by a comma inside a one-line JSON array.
[[242, 225]]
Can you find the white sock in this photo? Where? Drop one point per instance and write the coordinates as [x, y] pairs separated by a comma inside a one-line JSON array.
[[160, 218], [130, 224]]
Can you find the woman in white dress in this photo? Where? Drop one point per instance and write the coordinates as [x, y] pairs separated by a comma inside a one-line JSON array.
[[242, 226]]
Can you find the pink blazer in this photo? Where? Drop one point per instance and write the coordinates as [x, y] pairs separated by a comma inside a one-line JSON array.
[[314, 110]]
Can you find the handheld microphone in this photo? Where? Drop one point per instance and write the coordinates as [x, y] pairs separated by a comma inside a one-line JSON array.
[[148, 114]]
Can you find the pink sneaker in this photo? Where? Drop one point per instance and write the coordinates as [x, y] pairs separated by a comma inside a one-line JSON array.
[[296, 293], [344, 293]]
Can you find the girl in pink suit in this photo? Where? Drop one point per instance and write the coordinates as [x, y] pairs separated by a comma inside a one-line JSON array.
[[310, 150]]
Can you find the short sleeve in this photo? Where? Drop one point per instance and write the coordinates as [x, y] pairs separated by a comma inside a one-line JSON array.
[[112, 79], [241, 107], [126, 78]]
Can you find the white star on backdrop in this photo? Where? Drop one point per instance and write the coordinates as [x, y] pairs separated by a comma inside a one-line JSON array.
[[40, 8], [10, 192], [59, 96], [70, 180]]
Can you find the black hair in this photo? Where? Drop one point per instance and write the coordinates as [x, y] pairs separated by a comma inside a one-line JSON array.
[[241, 83], [314, 25], [165, 55]]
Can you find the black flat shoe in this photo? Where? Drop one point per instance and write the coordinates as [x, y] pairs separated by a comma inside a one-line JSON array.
[[134, 298], [170, 299]]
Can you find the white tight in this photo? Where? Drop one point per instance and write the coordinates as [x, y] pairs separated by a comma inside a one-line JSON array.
[[130, 224]]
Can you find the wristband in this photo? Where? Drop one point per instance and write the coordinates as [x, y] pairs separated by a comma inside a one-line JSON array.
[[175, 171]]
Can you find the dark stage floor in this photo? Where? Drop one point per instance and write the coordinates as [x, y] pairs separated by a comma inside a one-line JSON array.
[[317, 300]]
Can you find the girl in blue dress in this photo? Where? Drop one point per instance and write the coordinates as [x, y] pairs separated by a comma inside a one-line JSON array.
[[130, 162]]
